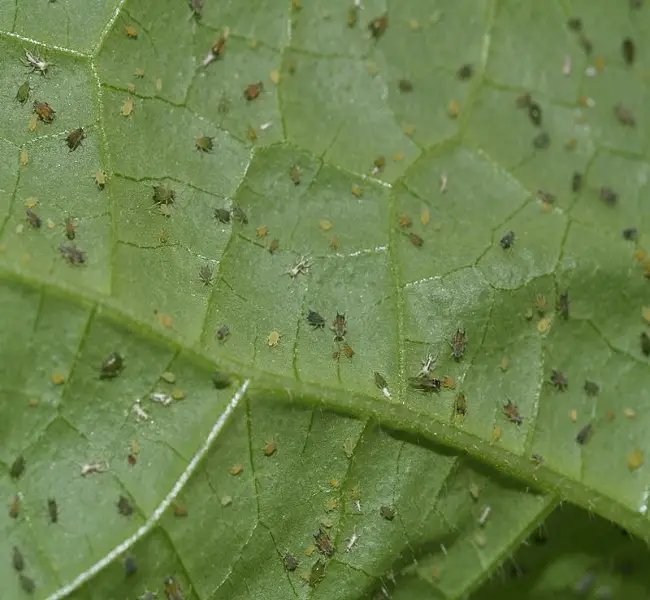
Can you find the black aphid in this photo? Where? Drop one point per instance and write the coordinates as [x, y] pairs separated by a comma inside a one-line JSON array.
[[221, 380], [608, 195], [542, 140], [508, 240], [239, 215], [629, 50], [563, 305], [53, 510], [575, 24], [74, 255], [405, 85], [380, 382], [630, 234], [316, 320], [511, 411], [591, 388], [424, 383], [222, 333], [584, 434], [465, 72], [535, 113], [75, 138], [222, 215], [130, 566], [17, 467], [124, 506], [33, 219], [27, 583], [17, 559], [206, 274], [645, 343], [559, 380], [112, 366], [163, 194], [290, 561], [576, 181]]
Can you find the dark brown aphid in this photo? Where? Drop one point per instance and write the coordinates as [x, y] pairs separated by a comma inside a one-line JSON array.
[[317, 573], [27, 584], [458, 344], [294, 173], [75, 138], [586, 44], [253, 90], [591, 388], [535, 113], [460, 404], [511, 411], [575, 24], [222, 215], [290, 561], [415, 239], [584, 434], [508, 240], [608, 195], [173, 589], [206, 274], [17, 467], [316, 320], [339, 327], [465, 72], [380, 381], [73, 255], [405, 85], [387, 512], [324, 543], [70, 228], [219, 46], [238, 214], [222, 333], [559, 380], [22, 95], [124, 506], [629, 50], [546, 197], [53, 510], [542, 140], [645, 343], [163, 194], [378, 26], [14, 507], [221, 380], [563, 304], [204, 144], [33, 219], [348, 351], [576, 181], [130, 566], [424, 383], [624, 115], [17, 559], [112, 366], [44, 112], [630, 234]]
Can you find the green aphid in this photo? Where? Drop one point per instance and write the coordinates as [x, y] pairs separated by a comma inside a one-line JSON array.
[[204, 143], [22, 95], [317, 573]]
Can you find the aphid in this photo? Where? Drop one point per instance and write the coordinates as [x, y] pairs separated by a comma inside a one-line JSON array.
[[458, 344], [17, 559], [645, 343], [130, 566], [236, 470], [36, 63], [348, 351], [73, 255], [53, 510], [70, 228], [380, 382], [131, 32], [222, 333], [301, 267], [542, 140], [317, 573], [100, 179], [253, 90], [163, 194], [423, 383], [222, 215], [575, 24], [635, 459], [535, 113], [387, 512], [173, 589], [270, 448], [405, 221], [586, 44], [508, 240], [353, 15], [290, 561], [196, 6], [180, 511], [238, 214], [219, 46], [378, 26], [465, 72], [460, 404], [415, 239], [44, 112], [206, 274], [33, 219], [339, 327], [204, 143], [629, 50], [294, 173], [546, 197], [27, 583], [316, 320], [127, 107], [449, 383], [274, 245], [511, 411], [608, 195], [624, 115], [325, 225], [538, 459], [559, 380], [75, 138], [563, 305], [22, 95], [591, 388], [484, 515], [405, 85], [14, 507], [379, 164], [584, 434], [112, 366], [17, 467], [124, 506], [324, 542], [576, 181], [273, 339], [221, 380], [630, 234]]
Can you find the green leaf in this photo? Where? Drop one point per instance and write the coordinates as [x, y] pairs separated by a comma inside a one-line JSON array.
[[366, 178]]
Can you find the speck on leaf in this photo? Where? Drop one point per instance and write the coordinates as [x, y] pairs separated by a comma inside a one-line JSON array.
[[624, 115], [27, 583], [629, 50], [645, 343], [239, 215], [591, 388], [465, 72]]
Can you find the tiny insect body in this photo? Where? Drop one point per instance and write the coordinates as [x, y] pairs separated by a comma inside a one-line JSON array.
[[124, 506], [74, 255], [316, 320], [645, 343], [458, 344], [317, 573], [290, 561], [238, 214], [112, 366], [17, 559], [542, 140], [253, 90], [70, 228], [222, 333], [465, 72], [629, 50], [204, 144], [584, 434], [222, 215], [511, 411], [576, 181], [206, 274], [460, 404], [324, 542], [624, 115], [535, 113], [44, 111], [387, 512], [559, 380], [36, 63], [630, 234], [17, 467], [53, 510], [608, 195], [301, 267], [339, 327], [75, 138], [380, 382], [378, 26], [27, 583], [130, 566], [163, 194], [33, 219], [424, 383], [22, 95], [173, 589], [508, 240]]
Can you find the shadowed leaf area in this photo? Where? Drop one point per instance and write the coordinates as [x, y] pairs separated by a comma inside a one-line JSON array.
[[325, 300]]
